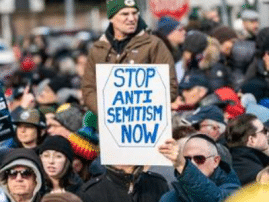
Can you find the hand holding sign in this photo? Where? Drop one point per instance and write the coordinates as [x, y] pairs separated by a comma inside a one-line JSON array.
[[173, 150]]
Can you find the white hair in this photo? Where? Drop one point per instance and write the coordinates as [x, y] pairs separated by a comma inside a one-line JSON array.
[[222, 127]]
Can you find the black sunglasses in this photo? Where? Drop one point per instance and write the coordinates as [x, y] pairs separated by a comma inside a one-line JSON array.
[[198, 159], [25, 174], [264, 131]]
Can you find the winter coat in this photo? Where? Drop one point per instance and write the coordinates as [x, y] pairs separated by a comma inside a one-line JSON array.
[[193, 186], [112, 187], [30, 159], [248, 162], [142, 48], [258, 77]]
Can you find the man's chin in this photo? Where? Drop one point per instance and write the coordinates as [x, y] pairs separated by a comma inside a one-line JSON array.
[[131, 31]]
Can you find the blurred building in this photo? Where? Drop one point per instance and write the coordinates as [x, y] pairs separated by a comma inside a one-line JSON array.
[[23, 20]]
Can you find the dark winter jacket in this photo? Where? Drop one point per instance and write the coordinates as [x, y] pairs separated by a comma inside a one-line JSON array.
[[247, 162], [193, 186], [258, 77], [119, 187], [25, 157]]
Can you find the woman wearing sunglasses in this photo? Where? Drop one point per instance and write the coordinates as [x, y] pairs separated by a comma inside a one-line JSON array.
[[57, 156], [201, 175], [21, 176]]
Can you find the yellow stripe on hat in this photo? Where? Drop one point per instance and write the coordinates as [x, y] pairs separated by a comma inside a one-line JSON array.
[[63, 107]]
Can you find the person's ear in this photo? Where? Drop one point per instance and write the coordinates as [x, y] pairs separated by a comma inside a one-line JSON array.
[[250, 141], [216, 161]]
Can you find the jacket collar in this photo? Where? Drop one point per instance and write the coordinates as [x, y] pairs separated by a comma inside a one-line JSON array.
[[122, 179]]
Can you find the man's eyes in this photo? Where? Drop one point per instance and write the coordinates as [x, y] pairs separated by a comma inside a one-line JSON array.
[[126, 14]]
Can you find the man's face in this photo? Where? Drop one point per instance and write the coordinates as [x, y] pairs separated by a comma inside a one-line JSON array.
[[81, 64], [47, 96], [191, 96], [266, 60], [260, 140], [53, 162], [226, 47], [177, 37], [125, 22], [210, 128], [213, 15], [26, 133], [20, 185], [198, 146], [252, 26]]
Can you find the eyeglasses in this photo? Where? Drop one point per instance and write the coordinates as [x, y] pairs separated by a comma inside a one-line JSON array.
[[25, 174], [263, 131], [198, 159], [209, 125]]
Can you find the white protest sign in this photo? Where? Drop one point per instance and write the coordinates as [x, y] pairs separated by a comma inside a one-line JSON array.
[[134, 113]]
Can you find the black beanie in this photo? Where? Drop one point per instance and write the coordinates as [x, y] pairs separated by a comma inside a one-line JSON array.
[[195, 42], [56, 84], [57, 143]]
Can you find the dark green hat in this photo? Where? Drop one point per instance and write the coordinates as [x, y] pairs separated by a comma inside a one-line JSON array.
[[113, 6]]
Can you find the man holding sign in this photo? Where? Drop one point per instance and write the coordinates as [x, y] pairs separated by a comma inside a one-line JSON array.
[[125, 42]]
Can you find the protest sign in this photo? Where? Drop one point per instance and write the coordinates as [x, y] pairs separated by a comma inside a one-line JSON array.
[[134, 113], [6, 128]]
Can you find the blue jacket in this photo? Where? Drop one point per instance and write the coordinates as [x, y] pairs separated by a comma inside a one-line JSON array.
[[193, 186]]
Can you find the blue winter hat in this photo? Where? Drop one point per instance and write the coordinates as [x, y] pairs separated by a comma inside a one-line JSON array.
[[211, 112], [191, 80], [167, 24]]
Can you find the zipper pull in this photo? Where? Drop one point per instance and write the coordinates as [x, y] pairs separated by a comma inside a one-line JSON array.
[[131, 188]]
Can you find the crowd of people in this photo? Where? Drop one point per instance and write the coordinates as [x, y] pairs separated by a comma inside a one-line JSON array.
[[219, 86]]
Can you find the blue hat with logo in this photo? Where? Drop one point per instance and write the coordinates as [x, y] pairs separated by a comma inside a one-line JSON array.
[[211, 112], [191, 80]]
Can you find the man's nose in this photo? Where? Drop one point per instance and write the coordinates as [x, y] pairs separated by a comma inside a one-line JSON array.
[[19, 177], [131, 17]]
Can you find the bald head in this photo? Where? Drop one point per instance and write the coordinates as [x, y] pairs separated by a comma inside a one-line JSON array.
[[203, 144]]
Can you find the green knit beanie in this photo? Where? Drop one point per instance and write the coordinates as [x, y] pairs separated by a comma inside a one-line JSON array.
[[113, 6]]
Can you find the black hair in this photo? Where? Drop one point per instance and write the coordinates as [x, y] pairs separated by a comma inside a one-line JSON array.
[[239, 129]]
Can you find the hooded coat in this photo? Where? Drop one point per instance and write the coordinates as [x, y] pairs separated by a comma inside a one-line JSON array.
[[23, 157]]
